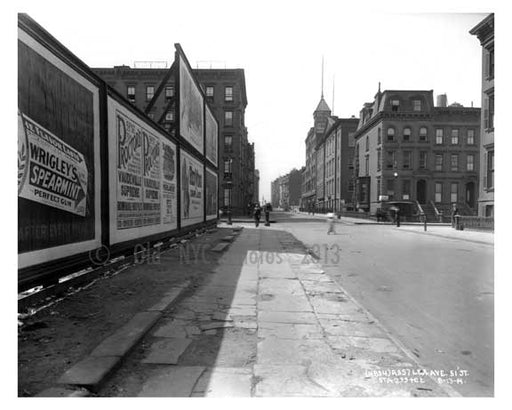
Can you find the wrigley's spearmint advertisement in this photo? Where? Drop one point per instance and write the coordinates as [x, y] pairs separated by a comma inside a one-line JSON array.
[[50, 171]]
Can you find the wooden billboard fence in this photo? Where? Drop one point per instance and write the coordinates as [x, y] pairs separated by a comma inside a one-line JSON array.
[[96, 176]]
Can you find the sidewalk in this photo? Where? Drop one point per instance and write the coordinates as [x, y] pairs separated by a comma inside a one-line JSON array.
[[267, 322], [56, 338]]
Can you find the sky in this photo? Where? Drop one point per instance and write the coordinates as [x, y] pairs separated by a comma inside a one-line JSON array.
[[280, 45]]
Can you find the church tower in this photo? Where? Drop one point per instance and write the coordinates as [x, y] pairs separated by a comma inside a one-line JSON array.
[[322, 112]]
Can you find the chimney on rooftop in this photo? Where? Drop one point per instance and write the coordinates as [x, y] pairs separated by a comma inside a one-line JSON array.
[[442, 100]]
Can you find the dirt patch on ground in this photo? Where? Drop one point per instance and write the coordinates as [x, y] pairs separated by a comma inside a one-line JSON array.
[[55, 338]]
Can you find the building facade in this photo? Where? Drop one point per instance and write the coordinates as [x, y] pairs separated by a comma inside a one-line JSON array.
[[485, 33], [337, 147], [409, 150], [295, 187], [225, 91], [256, 197], [313, 187]]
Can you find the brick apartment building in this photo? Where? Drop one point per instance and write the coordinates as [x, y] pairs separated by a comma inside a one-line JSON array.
[[485, 33], [312, 182], [337, 147], [225, 91], [408, 149]]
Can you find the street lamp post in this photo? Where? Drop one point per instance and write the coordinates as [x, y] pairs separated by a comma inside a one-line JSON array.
[[230, 192], [397, 212]]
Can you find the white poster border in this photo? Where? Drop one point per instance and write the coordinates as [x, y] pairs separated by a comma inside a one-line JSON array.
[[30, 258]]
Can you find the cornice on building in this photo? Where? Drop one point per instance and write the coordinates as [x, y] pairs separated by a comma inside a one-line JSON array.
[[484, 30]]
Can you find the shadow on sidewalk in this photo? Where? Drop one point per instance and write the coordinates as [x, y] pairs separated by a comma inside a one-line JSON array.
[[218, 318]]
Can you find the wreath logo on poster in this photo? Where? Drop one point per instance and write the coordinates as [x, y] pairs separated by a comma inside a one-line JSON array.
[[22, 153]]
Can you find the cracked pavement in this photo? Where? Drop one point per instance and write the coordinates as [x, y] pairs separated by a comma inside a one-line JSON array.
[[267, 322]]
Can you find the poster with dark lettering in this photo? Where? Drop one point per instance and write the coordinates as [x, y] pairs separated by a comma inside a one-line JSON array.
[[58, 155], [191, 109], [143, 171], [50, 171], [151, 179], [212, 130], [211, 194], [168, 153], [191, 190]]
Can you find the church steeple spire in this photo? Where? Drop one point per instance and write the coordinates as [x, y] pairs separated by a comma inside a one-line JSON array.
[[322, 77]]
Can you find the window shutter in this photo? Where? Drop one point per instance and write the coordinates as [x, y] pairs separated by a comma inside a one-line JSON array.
[[486, 64], [486, 113]]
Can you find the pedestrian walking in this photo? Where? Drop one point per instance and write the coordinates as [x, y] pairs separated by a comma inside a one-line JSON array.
[[257, 215], [331, 222], [455, 213]]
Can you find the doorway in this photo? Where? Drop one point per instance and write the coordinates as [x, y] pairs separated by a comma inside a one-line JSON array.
[[421, 191], [470, 194]]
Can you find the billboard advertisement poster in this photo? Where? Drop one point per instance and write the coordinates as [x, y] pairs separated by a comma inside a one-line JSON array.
[[211, 194], [50, 171], [191, 190], [212, 131], [142, 173], [59, 192], [191, 109]]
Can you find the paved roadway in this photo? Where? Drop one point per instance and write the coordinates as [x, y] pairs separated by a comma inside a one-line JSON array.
[[434, 294]]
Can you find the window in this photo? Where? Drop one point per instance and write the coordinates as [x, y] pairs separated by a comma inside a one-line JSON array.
[[390, 160], [454, 162], [227, 196], [407, 134], [489, 64], [379, 136], [455, 136], [351, 139], [227, 168], [228, 143], [367, 165], [470, 162], [454, 192], [367, 143], [489, 112], [439, 162], [490, 169], [390, 188], [471, 137], [209, 91], [150, 92], [377, 180], [391, 134], [439, 136], [131, 93], [151, 115], [379, 159], [423, 159], [423, 134], [169, 116], [228, 118], [395, 104], [228, 94], [407, 160], [439, 192], [169, 91], [406, 189], [416, 105]]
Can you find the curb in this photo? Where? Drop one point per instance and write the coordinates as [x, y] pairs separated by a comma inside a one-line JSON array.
[[93, 371], [450, 237]]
